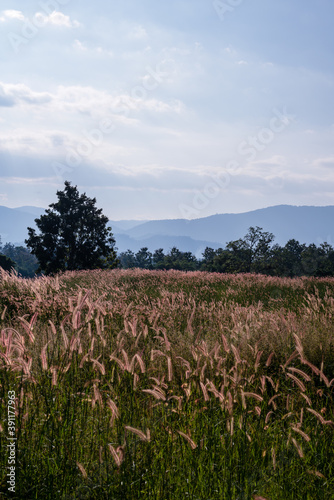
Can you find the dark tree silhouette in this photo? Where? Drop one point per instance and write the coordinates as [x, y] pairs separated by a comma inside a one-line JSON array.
[[73, 235]]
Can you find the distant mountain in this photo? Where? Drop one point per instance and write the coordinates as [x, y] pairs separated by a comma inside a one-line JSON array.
[[306, 224]]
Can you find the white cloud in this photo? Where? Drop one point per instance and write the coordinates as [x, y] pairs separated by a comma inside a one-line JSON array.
[[56, 19], [79, 46], [138, 33], [8, 15]]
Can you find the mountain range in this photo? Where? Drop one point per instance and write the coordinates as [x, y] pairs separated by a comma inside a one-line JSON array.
[[307, 224]]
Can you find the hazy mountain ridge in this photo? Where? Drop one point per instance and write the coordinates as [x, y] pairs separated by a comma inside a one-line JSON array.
[[306, 224]]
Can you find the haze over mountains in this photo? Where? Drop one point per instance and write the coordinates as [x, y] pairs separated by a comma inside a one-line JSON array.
[[306, 224]]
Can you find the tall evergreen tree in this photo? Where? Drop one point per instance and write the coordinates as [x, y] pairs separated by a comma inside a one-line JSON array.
[[73, 235]]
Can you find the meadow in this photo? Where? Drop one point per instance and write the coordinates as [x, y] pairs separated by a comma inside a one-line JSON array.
[[135, 384]]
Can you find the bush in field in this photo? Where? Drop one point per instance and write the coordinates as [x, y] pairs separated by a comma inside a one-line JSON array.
[[73, 235]]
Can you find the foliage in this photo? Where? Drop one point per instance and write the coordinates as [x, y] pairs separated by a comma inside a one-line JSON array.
[[253, 253], [73, 235], [24, 262]]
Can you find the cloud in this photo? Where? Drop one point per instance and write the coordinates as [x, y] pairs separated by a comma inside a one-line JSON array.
[[138, 33], [79, 46], [327, 163], [9, 15], [14, 93], [56, 19]]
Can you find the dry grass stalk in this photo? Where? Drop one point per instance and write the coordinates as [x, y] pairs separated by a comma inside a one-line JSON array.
[[118, 454], [144, 437], [301, 373], [188, 438], [205, 392], [157, 393], [270, 357], [297, 381], [236, 354], [298, 448], [293, 356], [3, 313], [303, 434], [307, 399], [316, 473], [82, 470], [43, 357], [253, 395], [99, 365]]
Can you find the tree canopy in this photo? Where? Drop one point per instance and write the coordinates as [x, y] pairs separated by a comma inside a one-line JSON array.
[[73, 235]]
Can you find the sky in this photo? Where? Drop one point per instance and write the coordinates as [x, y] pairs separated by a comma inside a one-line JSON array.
[[178, 109]]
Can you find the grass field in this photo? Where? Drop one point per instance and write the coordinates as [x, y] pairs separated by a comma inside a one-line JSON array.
[[167, 385]]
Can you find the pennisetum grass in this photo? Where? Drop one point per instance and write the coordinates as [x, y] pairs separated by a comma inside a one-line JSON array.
[[153, 384]]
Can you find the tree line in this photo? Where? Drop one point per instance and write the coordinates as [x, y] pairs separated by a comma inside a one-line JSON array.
[[254, 253], [73, 235]]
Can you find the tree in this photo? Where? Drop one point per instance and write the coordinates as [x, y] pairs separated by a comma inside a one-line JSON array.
[[158, 259], [127, 259], [25, 263], [73, 235], [144, 258], [6, 263]]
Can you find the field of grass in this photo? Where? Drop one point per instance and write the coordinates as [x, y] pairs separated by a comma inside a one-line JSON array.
[[167, 385]]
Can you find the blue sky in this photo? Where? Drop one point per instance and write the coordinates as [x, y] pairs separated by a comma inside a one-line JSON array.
[[172, 109]]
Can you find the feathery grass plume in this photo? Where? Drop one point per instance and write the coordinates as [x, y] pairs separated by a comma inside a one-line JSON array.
[[118, 361], [137, 357], [258, 410], [294, 355], [301, 373], [272, 401], [156, 392], [252, 395], [307, 399], [82, 470], [298, 448], [257, 361], [84, 359], [236, 354], [301, 417], [215, 391], [99, 366], [270, 357], [29, 326], [6, 358], [324, 378], [299, 346], [65, 338], [256, 497], [229, 402], [319, 417], [53, 328], [118, 454], [54, 370], [313, 368], [3, 313], [297, 381], [144, 437], [97, 396], [43, 356], [268, 416], [188, 438], [205, 392], [302, 433], [169, 369], [316, 473]]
